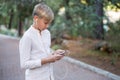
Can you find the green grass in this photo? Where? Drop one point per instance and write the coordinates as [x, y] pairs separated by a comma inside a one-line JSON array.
[[56, 46]]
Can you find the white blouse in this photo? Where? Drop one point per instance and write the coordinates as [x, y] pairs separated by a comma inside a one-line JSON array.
[[33, 47]]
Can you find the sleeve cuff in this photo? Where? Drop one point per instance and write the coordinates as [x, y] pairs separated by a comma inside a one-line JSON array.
[[38, 63]]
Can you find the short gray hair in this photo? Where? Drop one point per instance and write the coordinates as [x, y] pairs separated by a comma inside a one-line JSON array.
[[43, 11]]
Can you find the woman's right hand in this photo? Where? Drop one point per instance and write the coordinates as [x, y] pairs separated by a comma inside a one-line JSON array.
[[55, 57], [51, 58]]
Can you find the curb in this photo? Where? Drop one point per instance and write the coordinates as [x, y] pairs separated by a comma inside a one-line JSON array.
[[92, 68]]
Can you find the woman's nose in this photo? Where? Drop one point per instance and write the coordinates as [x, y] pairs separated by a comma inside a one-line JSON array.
[[46, 26]]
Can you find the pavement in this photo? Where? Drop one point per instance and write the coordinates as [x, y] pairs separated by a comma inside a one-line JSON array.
[[65, 69]]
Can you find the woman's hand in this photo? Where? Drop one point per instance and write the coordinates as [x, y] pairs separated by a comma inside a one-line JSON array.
[[62, 52], [51, 58], [55, 57], [59, 51]]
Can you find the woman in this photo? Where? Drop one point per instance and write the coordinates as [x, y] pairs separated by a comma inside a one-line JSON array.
[[34, 46]]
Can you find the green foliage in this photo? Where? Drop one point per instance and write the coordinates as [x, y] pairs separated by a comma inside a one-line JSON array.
[[113, 36], [8, 32], [79, 18], [82, 19], [115, 57], [55, 47], [21, 8], [58, 28]]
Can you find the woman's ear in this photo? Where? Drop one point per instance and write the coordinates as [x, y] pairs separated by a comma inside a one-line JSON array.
[[35, 18]]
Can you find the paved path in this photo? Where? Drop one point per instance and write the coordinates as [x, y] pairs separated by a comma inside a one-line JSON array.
[[10, 65]]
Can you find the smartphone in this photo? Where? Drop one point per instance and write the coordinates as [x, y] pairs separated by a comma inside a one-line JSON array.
[[64, 52]]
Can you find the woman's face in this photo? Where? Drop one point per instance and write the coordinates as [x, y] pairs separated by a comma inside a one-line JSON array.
[[41, 23]]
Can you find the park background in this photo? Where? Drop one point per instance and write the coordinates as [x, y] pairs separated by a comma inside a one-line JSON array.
[[90, 29]]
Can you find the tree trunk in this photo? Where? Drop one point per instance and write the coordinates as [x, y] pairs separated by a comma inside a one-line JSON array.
[[67, 14], [20, 30], [11, 19], [99, 31]]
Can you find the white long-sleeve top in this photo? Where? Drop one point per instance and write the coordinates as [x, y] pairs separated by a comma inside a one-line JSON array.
[[33, 47]]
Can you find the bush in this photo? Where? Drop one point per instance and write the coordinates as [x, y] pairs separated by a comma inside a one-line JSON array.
[[113, 35]]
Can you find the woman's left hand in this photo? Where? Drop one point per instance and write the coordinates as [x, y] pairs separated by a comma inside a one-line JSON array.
[[59, 51]]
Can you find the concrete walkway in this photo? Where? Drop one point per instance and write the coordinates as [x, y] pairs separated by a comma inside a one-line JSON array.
[[63, 70]]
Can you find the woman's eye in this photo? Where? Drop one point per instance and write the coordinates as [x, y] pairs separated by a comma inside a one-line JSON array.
[[46, 23]]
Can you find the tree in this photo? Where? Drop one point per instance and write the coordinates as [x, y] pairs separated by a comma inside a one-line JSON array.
[[79, 18], [24, 8], [99, 31]]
